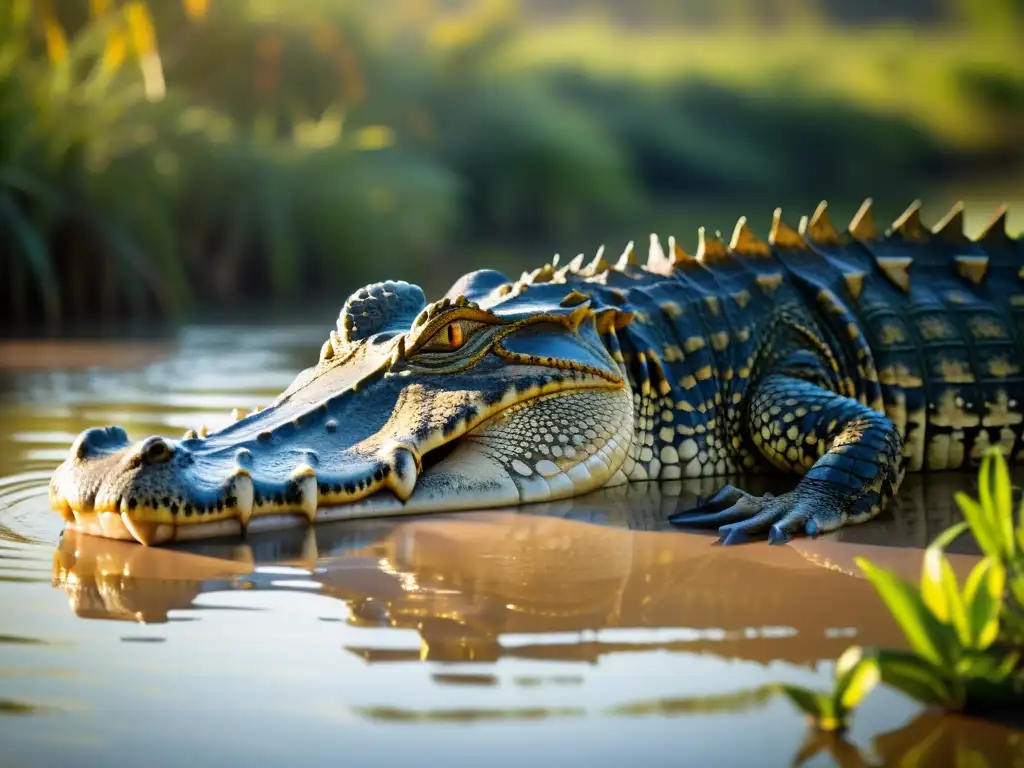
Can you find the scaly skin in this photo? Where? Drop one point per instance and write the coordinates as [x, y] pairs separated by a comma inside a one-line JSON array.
[[844, 358]]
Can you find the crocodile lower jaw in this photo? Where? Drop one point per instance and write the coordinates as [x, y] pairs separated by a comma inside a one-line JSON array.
[[488, 468], [433, 494]]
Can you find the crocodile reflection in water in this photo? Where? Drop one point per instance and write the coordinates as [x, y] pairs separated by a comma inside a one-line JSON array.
[[469, 582]]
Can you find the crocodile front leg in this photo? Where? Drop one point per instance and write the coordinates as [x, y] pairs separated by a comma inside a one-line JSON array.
[[848, 453]]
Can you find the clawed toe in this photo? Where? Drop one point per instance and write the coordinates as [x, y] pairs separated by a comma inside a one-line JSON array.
[[729, 505], [720, 502], [741, 517], [778, 535], [733, 514], [733, 534]]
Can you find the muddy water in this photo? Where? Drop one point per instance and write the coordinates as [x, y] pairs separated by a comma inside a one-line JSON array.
[[584, 631]]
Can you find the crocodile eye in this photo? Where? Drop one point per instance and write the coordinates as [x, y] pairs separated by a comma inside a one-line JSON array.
[[157, 452], [451, 336]]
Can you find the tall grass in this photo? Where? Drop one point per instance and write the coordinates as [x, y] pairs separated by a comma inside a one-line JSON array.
[[79, 143], [167, 156], [118, 200]]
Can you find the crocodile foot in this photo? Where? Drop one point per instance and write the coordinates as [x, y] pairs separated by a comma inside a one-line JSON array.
[[741, 516]]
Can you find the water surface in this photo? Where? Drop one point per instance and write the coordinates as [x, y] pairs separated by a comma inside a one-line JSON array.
[[583, 631]]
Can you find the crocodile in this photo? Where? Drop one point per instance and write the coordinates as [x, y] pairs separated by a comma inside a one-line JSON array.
[[844, 358]]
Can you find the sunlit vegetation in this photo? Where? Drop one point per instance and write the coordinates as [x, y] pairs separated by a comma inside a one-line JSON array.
[[966, 643], [175, 157]]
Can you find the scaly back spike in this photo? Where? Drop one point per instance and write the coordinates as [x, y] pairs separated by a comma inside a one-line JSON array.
[[862, 225], [783, 235], [657, 261], [627, 259], [994, 232], [678, 255], [540, 275], [909, 225], [711, 249], [951, 227], [819, 228], [598, 265], [746, 243]]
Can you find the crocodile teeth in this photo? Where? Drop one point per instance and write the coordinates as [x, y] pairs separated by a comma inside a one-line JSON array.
[[402, 478], [112, 524], [305, 478], [237, 414], [146, 533], [65, 511], [326, 351], [243, 492]]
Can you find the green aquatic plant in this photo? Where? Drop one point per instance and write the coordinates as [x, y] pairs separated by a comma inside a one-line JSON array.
[[990, 518], [855, 675], [965, 642], [953, 662]]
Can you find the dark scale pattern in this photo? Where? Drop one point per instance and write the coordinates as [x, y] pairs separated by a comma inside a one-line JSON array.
[[847, 452], [940, 356], [688, 351]]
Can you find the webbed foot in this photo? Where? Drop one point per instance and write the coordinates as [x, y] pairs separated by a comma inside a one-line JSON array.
[[741, 516]]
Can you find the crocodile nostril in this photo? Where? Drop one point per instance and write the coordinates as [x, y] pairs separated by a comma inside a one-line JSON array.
[[156, 450]]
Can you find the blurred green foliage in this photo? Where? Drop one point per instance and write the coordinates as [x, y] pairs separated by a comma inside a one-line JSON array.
[[211, 153]]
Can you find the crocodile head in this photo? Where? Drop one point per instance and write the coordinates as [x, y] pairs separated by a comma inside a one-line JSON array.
[[499, 399]]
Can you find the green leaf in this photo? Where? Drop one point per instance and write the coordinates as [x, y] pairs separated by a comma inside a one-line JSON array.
[[856, 683], [851, 657], [980, 525], [1017, 589], [987, 665], [32, 186], [811, 703], [939, 588], [983, 598], [1007, 666], [950, 535], [1002, 511], [926, 634], [1020, 528], [985, 485], [916, 677]]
